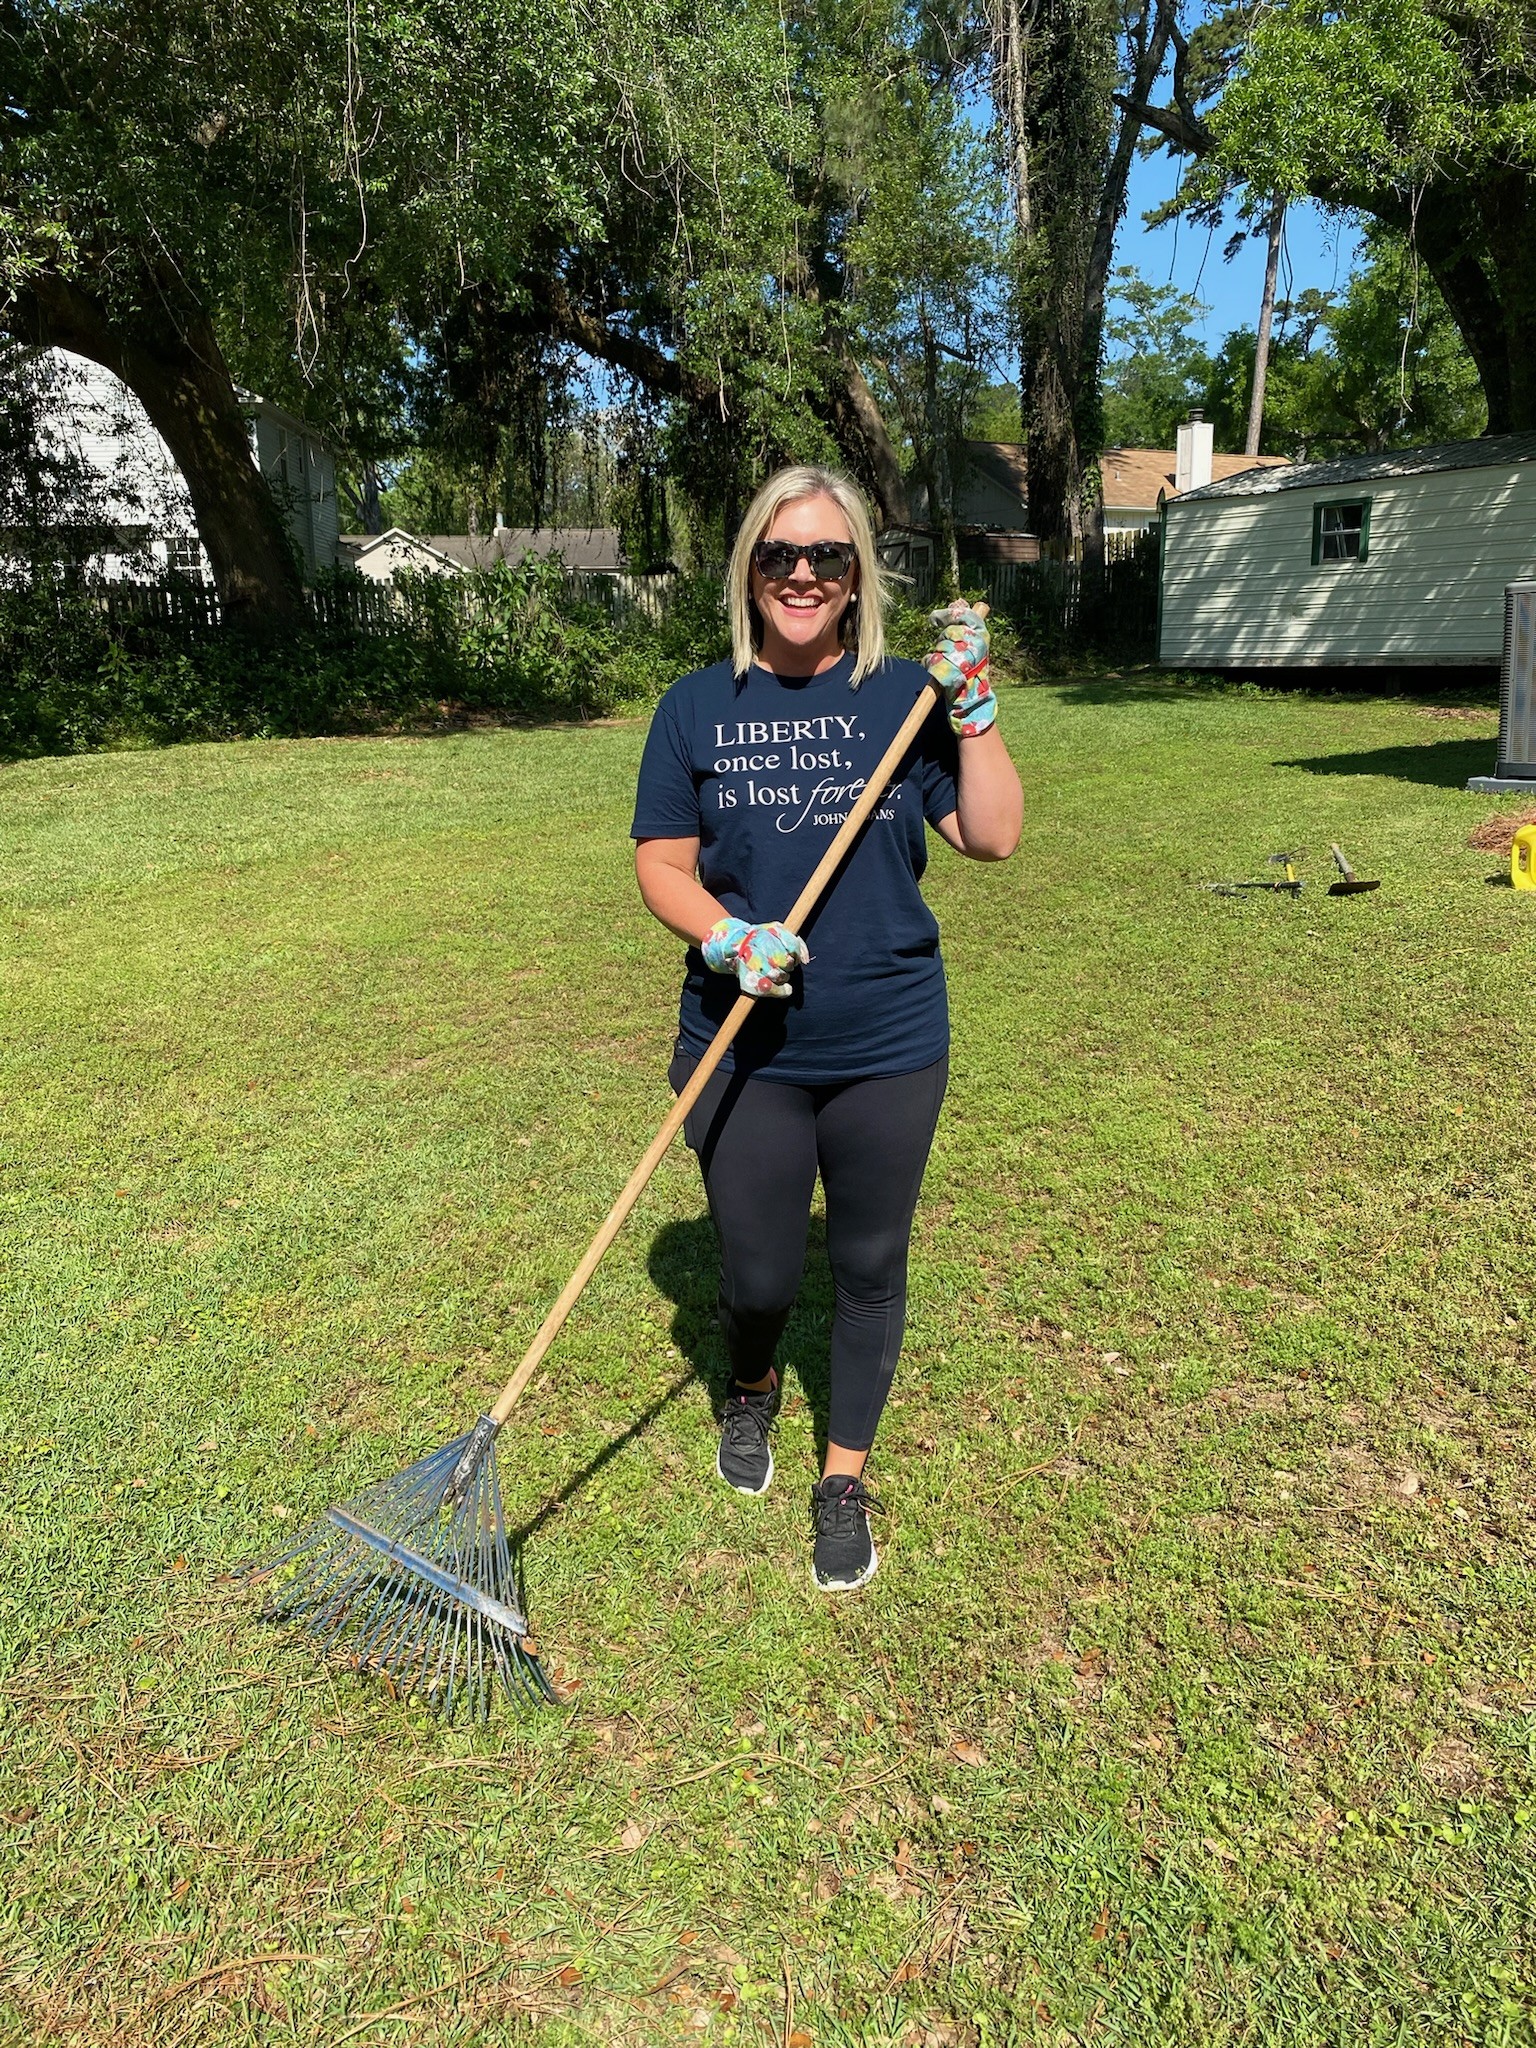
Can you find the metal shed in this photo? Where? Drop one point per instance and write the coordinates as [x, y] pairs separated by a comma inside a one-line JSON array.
[[1397, 559]]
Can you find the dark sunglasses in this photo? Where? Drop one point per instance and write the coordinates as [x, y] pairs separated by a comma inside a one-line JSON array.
[[830, 560]]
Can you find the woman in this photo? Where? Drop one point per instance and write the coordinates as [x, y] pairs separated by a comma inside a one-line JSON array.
[[750, 767]]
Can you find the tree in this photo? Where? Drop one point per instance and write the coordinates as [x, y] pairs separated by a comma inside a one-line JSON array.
[[1156, 368], [1420, 116], [1383, 367], [924, 254], [188, 193], [1070, 139]]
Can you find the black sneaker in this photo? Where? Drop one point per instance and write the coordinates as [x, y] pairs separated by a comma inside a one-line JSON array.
[[744, 1459], [845, 1556]]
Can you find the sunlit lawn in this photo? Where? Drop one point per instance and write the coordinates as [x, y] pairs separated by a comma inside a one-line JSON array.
[[1196, 1698]]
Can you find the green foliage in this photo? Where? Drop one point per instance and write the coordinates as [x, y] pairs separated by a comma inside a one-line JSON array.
[[993, 414], [1383, 368], [1420, 116], [508, 641], [1156, 368]]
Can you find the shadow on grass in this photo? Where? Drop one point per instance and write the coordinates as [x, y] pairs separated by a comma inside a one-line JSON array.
[[685, 1265], [610, 1450], [1467, 689], [1441, 764]]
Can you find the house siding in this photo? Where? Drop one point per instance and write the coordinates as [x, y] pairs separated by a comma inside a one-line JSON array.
[[1239, 588]]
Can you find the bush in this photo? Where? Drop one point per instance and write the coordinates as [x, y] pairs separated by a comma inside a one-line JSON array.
[[83, 669]]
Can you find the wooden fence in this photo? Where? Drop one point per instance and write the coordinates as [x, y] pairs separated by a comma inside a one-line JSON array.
[[359, 606], [1109, 606]]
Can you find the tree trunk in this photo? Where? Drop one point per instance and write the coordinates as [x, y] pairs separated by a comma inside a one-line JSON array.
[[1054, 72], [180, 378], [864, 441], [1266, 320]]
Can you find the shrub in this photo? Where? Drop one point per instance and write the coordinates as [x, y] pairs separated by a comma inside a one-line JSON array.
[[80, 670]]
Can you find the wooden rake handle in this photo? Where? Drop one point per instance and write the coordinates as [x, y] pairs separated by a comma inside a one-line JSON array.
[[741, 1009]]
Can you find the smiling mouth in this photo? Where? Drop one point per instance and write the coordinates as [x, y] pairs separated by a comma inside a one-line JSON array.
[[800, 601]]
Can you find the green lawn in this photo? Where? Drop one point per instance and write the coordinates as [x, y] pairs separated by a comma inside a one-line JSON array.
[[1195, 1701]]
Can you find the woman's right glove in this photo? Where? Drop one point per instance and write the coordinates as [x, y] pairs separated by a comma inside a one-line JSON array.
[[761, 956]]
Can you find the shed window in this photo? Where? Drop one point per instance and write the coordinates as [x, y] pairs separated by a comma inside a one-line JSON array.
[[1340, 531]]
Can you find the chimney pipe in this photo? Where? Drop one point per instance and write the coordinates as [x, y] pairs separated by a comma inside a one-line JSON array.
[[1192, 461]]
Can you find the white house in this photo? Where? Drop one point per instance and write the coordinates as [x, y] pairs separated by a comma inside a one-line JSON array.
[[132, 487], [588, 550], [1397, 559]]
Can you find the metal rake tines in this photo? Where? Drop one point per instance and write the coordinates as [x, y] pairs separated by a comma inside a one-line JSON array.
[[418, 1587]]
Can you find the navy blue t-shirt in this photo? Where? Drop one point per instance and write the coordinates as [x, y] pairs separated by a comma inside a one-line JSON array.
[[762, 770]]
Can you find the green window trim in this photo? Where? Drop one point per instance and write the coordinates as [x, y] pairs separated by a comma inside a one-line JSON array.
[[1360, 504]]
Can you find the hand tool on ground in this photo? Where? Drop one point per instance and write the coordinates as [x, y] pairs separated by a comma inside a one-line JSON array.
[[415, 1580], [1291, 886], [1349, 883]]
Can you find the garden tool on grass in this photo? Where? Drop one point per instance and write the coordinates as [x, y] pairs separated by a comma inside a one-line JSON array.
[[1291, 886], [1349, 883], [416, 1580]]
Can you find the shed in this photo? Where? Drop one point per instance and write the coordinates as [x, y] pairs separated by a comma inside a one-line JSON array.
[[1397, 559]]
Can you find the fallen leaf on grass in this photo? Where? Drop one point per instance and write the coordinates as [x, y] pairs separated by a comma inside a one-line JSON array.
[[569, 1975], [798, 2039], [967, 1752], [631, 1835]]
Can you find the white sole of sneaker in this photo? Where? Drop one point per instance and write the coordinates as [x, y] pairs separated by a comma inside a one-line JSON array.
[[752, 1492], [835, 1586]]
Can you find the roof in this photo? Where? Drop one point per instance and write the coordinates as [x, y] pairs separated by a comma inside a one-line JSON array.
[[1001, 463], [356, 545], [579, 547], [1493, 451], [592, 548], [1135, 478]]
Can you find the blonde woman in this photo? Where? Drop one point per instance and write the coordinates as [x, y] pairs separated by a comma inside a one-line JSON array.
[[749, 769]]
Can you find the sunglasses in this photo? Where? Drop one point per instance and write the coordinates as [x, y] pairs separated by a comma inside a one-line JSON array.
[[830, 560]]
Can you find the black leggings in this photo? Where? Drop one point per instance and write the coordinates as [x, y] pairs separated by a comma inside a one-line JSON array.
[[760, 1145]]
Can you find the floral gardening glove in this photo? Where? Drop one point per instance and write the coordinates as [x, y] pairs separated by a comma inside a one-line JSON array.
[[959, 663], [761, 956]]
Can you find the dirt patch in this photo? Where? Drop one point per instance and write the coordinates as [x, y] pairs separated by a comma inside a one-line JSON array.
[[1453, 1766], [1496, 834]]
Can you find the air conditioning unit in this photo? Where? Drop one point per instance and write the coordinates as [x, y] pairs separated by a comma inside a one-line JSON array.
[[1515, 768]]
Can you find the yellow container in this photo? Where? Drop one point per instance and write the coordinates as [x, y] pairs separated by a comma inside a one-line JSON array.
[[1522, 858]]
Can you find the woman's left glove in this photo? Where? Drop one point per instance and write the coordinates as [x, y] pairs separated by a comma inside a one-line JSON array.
[[959, 663], [761, 956]]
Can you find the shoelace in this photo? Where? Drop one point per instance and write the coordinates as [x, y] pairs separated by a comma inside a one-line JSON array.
[[839, 1508], [745, 1425]]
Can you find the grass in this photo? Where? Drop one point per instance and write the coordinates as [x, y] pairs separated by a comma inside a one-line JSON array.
[[1195, 1702]]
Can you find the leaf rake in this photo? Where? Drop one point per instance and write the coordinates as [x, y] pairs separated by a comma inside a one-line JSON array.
[[416, 1580]]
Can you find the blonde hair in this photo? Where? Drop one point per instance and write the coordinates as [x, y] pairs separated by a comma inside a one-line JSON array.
[[863, 622]]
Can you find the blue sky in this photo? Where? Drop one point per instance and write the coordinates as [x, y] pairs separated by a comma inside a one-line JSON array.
[[1318, 250]]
